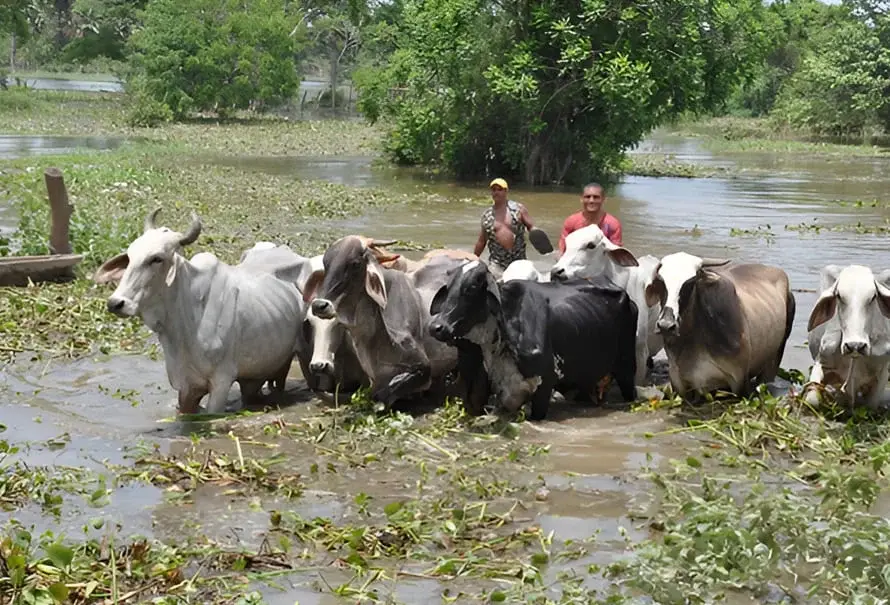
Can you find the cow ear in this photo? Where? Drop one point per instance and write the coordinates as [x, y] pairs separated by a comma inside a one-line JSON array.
[[883, 298], [374, 284], [311, 286], [438, 300], [824, 309], [112, 270], [623, 257], [655, 292], [171, 273]]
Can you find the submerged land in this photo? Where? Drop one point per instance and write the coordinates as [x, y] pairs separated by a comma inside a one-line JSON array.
[[107, 498]]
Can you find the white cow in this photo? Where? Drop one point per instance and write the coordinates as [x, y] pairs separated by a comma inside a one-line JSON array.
[[523, 269], [216, 323], [589, 253], [849, 334]]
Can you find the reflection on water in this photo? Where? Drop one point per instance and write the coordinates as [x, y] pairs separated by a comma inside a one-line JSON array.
[[16, 146]]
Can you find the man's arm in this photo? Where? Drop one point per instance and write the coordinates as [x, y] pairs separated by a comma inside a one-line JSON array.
[[616, 236], [480, 243], [524, 216], [566, 229]]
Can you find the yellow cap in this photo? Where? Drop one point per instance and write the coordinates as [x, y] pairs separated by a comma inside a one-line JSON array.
[[499, 182]]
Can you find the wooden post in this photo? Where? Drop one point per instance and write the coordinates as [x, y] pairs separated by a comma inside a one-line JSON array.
[[60, 211]]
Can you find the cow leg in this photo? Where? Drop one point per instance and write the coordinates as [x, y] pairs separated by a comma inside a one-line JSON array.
[[189, 398], [219, 394], [251, 390], [540, 403], [403, 385], [472, 371], [873, 399], [642, 356], [811, 389], [279, 379]]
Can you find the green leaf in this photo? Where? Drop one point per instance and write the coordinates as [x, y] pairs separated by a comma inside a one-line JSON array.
[[392, 508], [60, 555], [59, 592]]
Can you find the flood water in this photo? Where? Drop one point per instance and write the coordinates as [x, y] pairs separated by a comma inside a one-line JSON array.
[[594, 452]]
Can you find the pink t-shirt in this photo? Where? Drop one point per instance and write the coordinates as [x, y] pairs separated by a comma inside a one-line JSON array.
[[610, 226]]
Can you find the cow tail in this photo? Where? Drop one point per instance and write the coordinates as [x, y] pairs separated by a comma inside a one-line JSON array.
[[790, 308], [627, 340]]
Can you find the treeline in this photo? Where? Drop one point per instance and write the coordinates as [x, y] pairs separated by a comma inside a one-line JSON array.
[[545, 92], [827, 69]]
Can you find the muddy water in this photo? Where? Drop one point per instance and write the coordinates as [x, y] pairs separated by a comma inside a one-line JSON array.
[[107, 406]]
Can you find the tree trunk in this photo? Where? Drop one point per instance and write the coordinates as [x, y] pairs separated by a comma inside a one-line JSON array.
[[12, 49], [335, 64]]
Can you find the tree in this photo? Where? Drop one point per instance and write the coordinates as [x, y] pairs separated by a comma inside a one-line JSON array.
[[791, 27], [553, 91], [843, 86], [216, 55]]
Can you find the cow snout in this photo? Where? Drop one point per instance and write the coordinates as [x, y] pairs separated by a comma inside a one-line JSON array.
[[323, 308], [855, 347], [116, 305], [325, 368], [558, 274], [666, 323], [440, 331]]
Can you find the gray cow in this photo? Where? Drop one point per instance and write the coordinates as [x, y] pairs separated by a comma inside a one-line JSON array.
[[324, 349], [386, 312], [216, 323], [721, 327]]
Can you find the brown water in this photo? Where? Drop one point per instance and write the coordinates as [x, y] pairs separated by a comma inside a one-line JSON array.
[[595, 453]]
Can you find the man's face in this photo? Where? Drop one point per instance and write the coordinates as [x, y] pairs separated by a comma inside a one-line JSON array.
[[592, 199], [498, 193]]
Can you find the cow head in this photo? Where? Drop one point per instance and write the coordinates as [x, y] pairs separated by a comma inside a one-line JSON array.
[[468, 299], [351, 270], [325, 334], [589, 253], [859, 299], [672, 285], [147, 268]]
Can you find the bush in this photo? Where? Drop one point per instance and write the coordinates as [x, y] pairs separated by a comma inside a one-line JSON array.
[[146, 111], [212, 55]]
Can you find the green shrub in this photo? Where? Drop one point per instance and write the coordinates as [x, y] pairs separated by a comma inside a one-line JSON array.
[[211, 55]]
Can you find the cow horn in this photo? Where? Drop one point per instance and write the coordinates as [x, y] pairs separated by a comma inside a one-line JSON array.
[[714, 262], [194, 230], [151, 218], [379, 243]]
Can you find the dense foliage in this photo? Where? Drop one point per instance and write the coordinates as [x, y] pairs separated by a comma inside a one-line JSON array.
[[555, 91], [212, 55], [828, 70], [544, 92]]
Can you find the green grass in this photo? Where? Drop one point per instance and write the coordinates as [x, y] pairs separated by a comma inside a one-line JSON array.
[[762, 135]]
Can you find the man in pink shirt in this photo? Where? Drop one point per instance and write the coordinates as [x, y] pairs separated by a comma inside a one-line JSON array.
[[592, 213]]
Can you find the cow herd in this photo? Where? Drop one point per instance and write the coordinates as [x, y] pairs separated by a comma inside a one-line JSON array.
[[359, 316]]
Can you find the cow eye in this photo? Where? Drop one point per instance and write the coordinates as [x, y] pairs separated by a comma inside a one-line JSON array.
[[590, 246], [154, 260]]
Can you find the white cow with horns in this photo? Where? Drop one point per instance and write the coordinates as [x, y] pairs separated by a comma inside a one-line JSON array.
[[849, 334], [216, 323]]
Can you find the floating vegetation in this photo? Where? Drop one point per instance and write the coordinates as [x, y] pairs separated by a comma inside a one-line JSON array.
[[664, 165], [859, 228], [760, 232]]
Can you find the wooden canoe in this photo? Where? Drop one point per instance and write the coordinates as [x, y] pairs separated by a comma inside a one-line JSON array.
[[17, 270]]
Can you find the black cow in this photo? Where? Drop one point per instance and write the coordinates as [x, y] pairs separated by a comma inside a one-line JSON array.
[[537, 337]]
